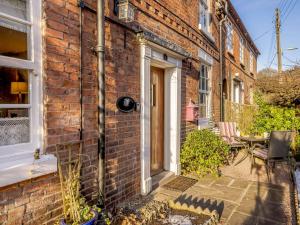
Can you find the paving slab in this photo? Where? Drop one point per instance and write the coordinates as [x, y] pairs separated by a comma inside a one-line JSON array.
[[242, 184], [242, 219], [222, 192], [206, 181], [274, 211], [241, 198], [223, 181]]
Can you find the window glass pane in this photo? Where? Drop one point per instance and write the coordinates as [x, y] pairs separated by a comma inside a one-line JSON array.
[[202, 98], [14, 85], [14, 126], [14, 40], [203, 16], [236, 92], [202, 84], [14, 36], [202, 111], [15, 8]]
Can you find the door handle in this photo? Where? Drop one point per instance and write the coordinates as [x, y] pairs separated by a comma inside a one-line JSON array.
[[153, 95]]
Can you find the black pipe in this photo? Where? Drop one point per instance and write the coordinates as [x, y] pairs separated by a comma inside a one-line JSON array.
[[80, 72], [101, 92]]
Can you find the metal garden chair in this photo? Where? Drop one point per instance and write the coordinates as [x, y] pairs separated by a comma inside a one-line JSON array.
[[277, 151]]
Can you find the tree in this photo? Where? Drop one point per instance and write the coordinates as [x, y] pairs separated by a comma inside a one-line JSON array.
[[281, 90]]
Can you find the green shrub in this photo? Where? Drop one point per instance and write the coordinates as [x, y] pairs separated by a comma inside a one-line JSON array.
[[203, 152], [270, 117]]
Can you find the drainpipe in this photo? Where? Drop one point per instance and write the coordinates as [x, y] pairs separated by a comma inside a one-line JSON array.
[[221, 67], [80, 75], [101, 92]]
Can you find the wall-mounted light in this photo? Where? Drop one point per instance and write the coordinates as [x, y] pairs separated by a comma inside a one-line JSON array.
[[126, 11]]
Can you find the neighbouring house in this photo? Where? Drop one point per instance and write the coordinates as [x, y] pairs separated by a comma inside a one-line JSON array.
[[240, 55], [51, 98]]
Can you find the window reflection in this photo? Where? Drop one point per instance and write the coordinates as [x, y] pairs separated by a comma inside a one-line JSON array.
[[14, 36]]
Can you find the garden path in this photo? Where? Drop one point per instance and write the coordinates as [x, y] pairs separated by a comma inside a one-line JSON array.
[[241, 197]]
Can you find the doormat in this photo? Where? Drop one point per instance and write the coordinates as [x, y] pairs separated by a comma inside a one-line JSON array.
[[180, 183]]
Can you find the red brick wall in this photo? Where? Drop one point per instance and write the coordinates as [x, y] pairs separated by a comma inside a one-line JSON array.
[[39, 200], [176, 22], [36, 201], [122, 172], [62, 84]]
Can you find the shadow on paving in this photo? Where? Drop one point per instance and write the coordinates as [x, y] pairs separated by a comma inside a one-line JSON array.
[[267, 203], [203, 203]]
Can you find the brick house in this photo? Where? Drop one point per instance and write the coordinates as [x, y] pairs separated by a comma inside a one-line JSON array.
[[165, 60], [240, 57]]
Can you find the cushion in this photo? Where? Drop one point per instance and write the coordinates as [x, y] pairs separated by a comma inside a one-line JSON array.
[[261, 153]]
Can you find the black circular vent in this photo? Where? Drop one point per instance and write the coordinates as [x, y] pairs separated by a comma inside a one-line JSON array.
[[126, 104]]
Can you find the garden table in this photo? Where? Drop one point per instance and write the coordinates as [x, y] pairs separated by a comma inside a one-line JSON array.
[[251, 140]]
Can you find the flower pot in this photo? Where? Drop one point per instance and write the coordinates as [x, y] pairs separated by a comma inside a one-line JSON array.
[[90, 222]]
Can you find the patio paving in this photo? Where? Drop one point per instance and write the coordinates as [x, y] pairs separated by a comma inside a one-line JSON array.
[[241, 197]]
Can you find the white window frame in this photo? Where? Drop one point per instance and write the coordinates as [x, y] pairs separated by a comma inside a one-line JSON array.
[[242, 50], [237, 93], [251, 62], [206, 91], [229, 38], [22, 152], [206, 28]]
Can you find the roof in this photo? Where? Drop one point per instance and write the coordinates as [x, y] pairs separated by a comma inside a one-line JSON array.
[[242, 27]]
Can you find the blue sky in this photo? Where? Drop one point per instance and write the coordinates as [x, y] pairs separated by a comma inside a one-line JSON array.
[[258, 16]]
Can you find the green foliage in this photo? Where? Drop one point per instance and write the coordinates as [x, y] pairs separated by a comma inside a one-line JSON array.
[[203, 152], [242, 114], [270, 118]]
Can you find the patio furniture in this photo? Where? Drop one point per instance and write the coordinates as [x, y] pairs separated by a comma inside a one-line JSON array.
[[228, 132], [251, 140], [277, 151]]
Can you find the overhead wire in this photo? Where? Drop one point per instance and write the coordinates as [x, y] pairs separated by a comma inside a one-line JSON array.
[[272, 61], [288, 59], [289, 12]]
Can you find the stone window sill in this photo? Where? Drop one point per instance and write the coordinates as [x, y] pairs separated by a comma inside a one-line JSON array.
[[207, 34], [47, 164], [203, 123], [230, 53]]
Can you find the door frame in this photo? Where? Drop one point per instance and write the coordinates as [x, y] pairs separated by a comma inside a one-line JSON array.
[[158, 56]]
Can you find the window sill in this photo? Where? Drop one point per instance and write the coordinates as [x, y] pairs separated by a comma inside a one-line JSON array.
[[231, 55], [203, 123], [207, 34], [47, 164], [243, 66]]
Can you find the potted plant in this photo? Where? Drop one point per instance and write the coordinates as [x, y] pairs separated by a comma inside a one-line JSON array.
[[76, 211]]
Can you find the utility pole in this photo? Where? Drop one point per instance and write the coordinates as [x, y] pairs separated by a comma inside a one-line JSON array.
[[279, 50]]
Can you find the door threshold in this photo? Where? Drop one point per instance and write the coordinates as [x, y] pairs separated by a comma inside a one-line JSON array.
[[161, 178]]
